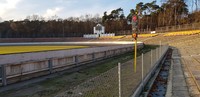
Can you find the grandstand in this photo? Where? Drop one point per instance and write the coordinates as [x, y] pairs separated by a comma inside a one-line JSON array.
[[125, 37], [143, 35], [122, 37], [181, 33], [147, 35], [150, 38]]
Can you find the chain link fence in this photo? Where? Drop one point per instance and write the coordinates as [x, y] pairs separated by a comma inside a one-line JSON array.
[[107, 84], [194, 26]]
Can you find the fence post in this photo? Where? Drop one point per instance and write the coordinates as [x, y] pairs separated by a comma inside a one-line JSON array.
[[50, 64], [105, 55], [119, 74], [193, 27], [142, 71], [156, 54], [114, 52], [160, 48], [93, 56], [4, 80], [76, 59], [151, 58]]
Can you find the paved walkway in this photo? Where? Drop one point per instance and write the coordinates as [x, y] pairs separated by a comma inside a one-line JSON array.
[[177, 86]]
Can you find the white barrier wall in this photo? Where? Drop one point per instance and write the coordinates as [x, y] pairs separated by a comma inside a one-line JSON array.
[[90, 36], [107, 35], [98, 35]]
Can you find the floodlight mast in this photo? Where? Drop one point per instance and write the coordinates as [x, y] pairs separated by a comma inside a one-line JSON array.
[[135, 35]]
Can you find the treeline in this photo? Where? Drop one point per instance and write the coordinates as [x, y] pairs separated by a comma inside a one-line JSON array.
[[151, 16], [36, 26]]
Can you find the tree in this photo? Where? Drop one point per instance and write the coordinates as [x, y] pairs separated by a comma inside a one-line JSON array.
[[177, 10], [1, 20], [105, 17], [151, 11]]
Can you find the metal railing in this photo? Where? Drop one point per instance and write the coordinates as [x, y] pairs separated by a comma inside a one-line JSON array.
[[193, 26]]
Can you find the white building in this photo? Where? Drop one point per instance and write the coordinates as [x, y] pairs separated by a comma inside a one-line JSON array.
[[99, 31]]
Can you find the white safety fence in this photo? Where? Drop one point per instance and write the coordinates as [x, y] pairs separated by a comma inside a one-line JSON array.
[[98, 35], [107, 35], [91, 36]]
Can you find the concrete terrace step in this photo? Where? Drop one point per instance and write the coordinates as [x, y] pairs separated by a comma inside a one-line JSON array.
[[177, 86]]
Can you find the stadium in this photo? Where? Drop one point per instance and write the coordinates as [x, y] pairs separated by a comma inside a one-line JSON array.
[[151, 51]]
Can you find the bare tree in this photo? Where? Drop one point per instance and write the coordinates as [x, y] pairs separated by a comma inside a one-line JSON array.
[[1, 20]]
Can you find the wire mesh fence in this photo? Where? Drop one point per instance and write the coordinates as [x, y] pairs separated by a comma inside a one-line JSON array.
[[104, 85], [107, 84], [193, 26]]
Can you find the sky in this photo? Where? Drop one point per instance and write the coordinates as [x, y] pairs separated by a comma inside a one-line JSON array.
[[20, 9]]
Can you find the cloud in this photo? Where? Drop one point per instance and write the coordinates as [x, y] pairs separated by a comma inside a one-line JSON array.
[[19, 9], [79, 9], [66, 1], [52, 12], [7, 6]]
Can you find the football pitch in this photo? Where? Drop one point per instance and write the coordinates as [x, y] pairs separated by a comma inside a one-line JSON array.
[[26, 49]]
